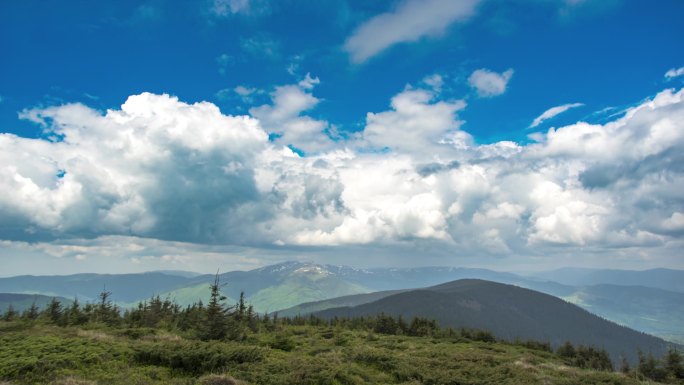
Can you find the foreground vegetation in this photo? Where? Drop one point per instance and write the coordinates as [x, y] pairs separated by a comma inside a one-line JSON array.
[[160, 343]]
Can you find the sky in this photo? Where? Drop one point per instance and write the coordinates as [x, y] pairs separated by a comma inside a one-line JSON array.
[[233, 134]]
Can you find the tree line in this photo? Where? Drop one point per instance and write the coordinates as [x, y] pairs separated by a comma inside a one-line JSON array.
[[217, 320]]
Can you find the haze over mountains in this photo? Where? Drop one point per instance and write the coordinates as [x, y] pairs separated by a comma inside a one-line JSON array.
[[652, 302]]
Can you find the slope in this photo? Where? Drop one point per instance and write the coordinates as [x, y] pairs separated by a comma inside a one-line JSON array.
[[509, 312], [124, 287], [21, 302]]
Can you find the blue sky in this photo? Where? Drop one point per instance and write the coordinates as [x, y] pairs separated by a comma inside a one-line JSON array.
[[600, 53], [324, 78]]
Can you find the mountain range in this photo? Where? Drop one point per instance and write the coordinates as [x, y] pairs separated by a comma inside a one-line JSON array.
[[637, 299]]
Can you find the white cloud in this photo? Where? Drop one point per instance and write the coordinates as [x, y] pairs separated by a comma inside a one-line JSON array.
[[229, 7], [260, 45], [674, 72], [435, 81], [408, 22], [119, 173], [674, 222], [553, 112], [224, 61], [160, 168], [417, 124], [488, 83], [284, 117], [244, 91], [308, 82]]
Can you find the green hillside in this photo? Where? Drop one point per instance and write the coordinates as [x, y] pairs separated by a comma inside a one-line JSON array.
[[509, 312], [343, 301], [290, 355], [274, 292], [21, 302]]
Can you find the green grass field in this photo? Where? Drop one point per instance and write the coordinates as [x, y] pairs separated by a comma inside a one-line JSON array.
[[44, 354]]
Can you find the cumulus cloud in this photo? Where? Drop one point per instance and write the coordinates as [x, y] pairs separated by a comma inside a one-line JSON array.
[[284, 117], [553, 112], [674, 72], [417, 124], [488, 83], [157, 167], [412, 179], [410, 21]]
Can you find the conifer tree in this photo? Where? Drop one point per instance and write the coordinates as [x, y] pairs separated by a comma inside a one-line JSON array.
[[216, 314], [53, 311], [10, 314], [624, 365], [674, 364], [32, 312], [567, 350]]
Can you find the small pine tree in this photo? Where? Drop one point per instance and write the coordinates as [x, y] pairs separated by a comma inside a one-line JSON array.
[[241, 308], [74, 315], [567, 350], [105, 311], [649, 367], [674, 364], [624, 365], [53, 311], [216, 315], [252, 319], [10, 314], [31, 313]]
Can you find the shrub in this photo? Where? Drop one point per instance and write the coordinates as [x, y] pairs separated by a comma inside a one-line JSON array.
[[196, 357], [283, 342]]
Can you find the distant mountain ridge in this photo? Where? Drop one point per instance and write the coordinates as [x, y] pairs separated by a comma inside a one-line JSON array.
[[509, 312], [283, 286], [664, 279], [21, 302], [125, 287]]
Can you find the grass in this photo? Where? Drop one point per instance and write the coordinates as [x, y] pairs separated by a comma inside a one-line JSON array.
[[42, 354]]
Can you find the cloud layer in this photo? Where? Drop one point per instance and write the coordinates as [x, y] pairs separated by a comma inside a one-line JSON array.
[[412, 179]]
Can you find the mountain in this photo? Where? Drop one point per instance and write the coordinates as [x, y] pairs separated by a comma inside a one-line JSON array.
[[344, 301], [180, 273], [21, 302], [654, 311], [286, 285], [274, 287], [664, 279], [509, 312], [124, 287]]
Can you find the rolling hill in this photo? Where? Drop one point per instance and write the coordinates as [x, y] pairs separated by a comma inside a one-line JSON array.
[[509, 312], [124, 287], [21, 302]]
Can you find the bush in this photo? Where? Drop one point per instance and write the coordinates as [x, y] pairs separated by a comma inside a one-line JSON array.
[[196, 357], [283, 342]]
